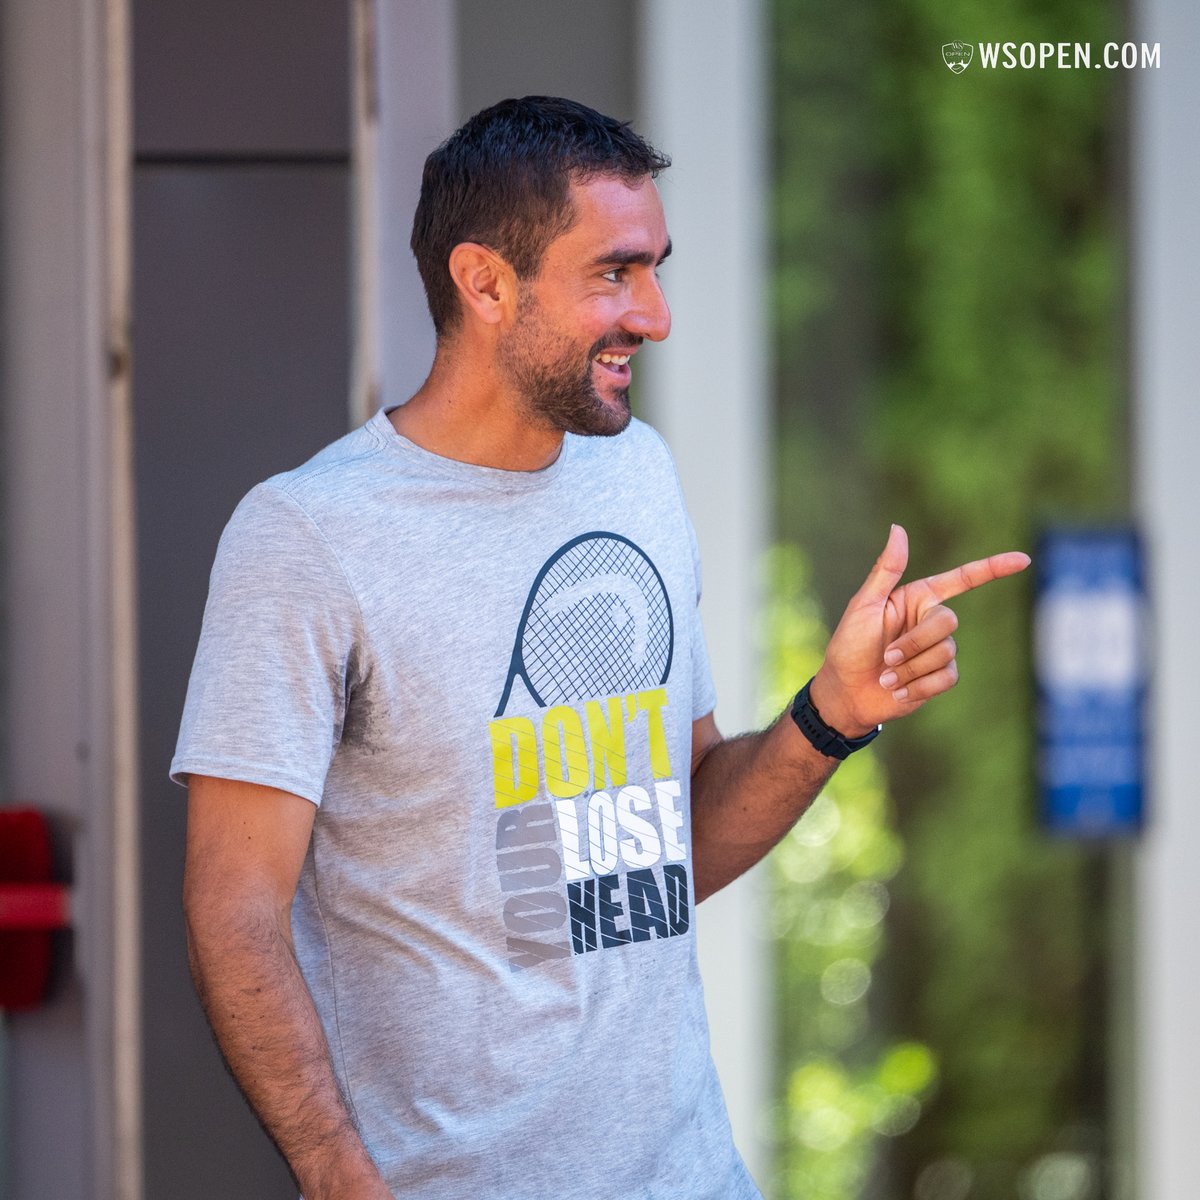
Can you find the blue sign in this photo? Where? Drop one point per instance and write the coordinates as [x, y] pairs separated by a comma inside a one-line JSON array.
[[1090, 663]]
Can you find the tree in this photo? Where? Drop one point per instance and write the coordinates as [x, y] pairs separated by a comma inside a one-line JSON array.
[[949, 305]]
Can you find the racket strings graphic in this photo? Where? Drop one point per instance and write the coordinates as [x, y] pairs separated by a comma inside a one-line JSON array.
[[597, 622]]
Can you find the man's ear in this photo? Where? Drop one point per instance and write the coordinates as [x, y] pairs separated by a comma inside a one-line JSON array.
[[485, 282]]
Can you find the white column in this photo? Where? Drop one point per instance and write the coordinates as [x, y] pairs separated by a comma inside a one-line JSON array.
[[417, 97], [702, 85], [69, 638], [1166, 307]]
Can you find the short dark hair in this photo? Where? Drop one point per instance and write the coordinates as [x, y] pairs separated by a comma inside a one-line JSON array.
[[503, 180]]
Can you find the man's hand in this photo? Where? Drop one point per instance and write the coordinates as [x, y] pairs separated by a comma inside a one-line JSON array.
[[893, 649]]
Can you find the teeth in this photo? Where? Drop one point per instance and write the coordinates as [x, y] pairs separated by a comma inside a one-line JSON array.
[[616, 359]]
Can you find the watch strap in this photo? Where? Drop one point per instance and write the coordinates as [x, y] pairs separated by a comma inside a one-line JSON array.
[[824, 737]]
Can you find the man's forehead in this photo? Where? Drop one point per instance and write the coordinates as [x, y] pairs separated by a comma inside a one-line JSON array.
[[610, 212]]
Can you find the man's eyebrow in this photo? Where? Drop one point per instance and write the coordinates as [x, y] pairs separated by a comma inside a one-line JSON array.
[[622, 257]]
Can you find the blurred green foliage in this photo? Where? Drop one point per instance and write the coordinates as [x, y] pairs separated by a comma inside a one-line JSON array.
[[949, 336]]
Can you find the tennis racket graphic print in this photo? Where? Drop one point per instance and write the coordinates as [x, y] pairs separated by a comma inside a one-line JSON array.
[[597, 622]]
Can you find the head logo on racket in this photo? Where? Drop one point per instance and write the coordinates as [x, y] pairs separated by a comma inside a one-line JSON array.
[[597, 623]]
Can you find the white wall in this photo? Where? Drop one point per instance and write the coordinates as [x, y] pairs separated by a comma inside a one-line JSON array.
[[1166, 295]]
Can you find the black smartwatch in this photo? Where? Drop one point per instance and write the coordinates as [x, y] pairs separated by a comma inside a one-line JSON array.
[[828, 741]]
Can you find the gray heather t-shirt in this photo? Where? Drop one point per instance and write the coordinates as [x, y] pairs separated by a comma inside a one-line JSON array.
[[486, 680]]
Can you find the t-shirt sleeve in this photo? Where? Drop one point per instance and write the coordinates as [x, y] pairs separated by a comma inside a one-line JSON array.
[[267, 694], [704, 694]]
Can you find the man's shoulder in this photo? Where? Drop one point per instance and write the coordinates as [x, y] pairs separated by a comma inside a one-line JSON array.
[[639, 441], [643, 433], [309, 500], [334, 480], [343, 465]]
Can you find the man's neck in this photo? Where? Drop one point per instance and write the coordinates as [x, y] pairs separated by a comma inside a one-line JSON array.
[[466, 411]]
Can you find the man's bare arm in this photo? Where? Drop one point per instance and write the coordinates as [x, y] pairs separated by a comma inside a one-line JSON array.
[[245, 847], [892, 651], [747, 792]]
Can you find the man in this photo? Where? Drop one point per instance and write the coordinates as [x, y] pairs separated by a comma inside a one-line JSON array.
[[455, 784]]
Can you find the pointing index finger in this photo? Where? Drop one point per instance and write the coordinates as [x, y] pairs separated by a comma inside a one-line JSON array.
[[975, 574]]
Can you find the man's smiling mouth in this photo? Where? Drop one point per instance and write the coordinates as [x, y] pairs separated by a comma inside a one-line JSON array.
[[616, 363]]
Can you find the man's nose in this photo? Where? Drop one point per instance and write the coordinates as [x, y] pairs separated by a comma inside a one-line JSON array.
[[650, 317]]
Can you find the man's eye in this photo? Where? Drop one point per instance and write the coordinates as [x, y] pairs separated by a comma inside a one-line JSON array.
[[615, 275]]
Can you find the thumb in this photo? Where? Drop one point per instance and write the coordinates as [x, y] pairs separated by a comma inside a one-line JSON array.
[[888, 569]]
